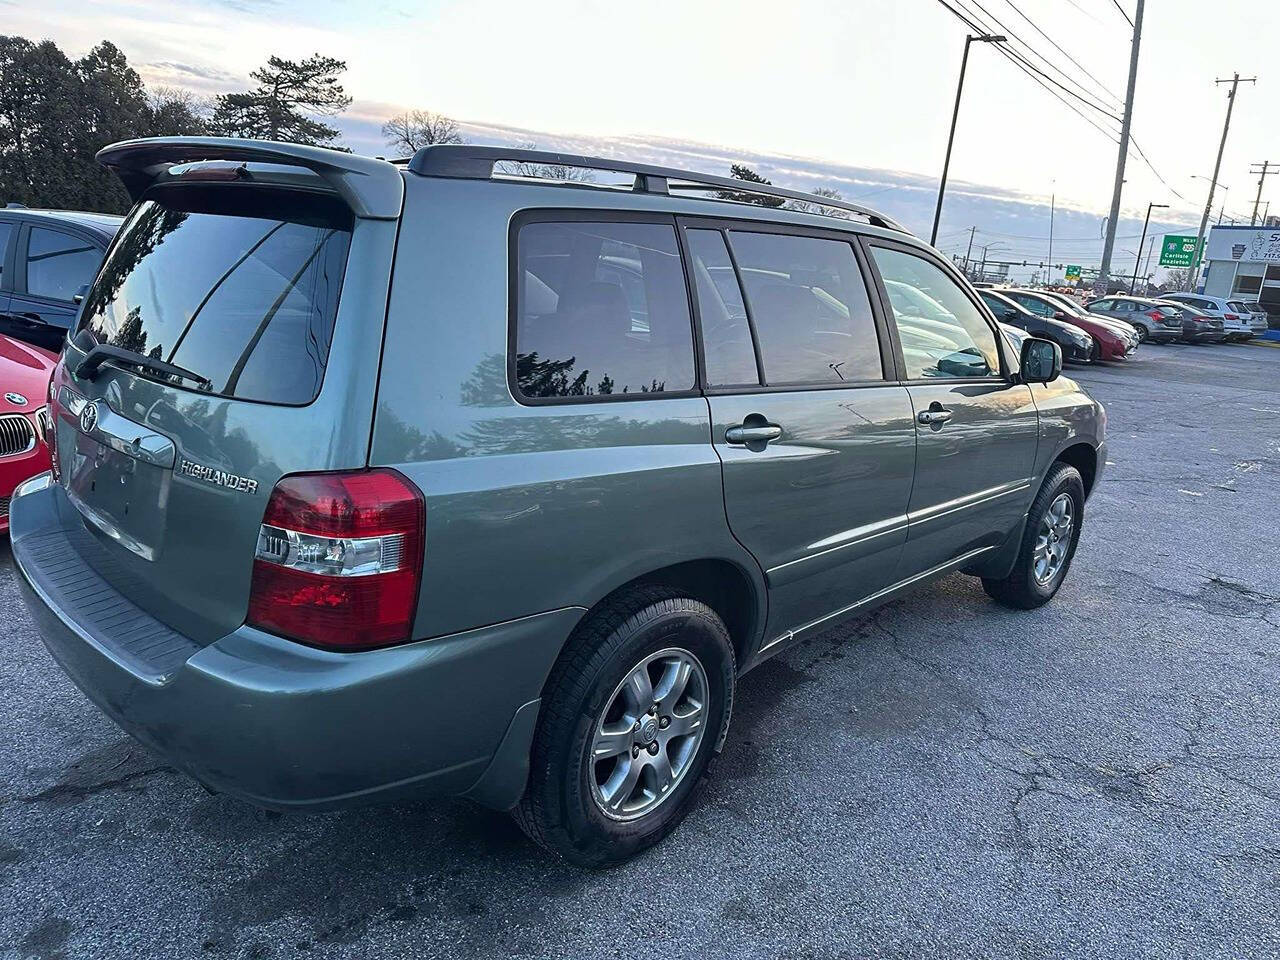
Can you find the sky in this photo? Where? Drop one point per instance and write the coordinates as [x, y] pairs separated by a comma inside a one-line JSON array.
[[856, 95]]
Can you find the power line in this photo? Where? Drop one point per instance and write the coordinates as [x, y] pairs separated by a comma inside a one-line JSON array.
[[975, 22], [1123, 12], [1000, 27], [1035, 26]]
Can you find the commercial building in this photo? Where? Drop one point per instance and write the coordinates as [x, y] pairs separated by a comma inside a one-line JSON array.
[[1244, 262]]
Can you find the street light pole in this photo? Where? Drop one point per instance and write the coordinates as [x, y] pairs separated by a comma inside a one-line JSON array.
[[1137, 261], [955, 115]]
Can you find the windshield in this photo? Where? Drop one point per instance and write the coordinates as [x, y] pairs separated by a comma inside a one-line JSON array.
[[236, 284]]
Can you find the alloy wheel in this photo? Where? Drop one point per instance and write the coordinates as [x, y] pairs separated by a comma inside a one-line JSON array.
[[1053, 539], [646, 738]]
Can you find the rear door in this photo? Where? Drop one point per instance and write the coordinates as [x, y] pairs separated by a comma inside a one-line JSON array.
[[976, 428], [52, 267], [274, 300], [814, 434]]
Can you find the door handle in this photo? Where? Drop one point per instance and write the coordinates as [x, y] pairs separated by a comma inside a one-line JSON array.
[[756, 433], [937, 414]]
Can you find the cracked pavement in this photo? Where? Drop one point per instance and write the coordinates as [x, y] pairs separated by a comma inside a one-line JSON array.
[[943, 777]]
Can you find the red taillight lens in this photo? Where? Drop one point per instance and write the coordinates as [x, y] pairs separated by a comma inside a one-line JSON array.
[[339, 559], [1231, 316], [1156, 315]]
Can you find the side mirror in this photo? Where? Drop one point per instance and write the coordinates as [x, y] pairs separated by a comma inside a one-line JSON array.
[[1060, 315], [1041, 360]]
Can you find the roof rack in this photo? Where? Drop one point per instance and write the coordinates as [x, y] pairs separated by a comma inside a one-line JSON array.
[[466, 162]]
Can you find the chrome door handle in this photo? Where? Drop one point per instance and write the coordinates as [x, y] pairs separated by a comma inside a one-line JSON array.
[[930, 417], [762, 433]]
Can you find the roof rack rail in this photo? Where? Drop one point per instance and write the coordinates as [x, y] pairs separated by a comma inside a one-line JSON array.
[[466, 162]]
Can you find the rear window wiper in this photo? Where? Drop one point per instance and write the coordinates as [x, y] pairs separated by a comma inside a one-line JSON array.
[[87, 369]]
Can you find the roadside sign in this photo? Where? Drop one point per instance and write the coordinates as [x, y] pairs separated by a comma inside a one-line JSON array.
[[1073, 272], [1177, 251]]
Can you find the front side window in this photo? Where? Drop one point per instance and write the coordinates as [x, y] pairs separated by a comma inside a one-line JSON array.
[[943, 333], [58, 264], [601, 310], [237, 285], [810, 309]]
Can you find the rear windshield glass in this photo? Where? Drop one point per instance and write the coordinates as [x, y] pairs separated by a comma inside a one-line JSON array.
[[235, 284]]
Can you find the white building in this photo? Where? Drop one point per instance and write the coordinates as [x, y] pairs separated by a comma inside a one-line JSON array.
[[1244, 262]]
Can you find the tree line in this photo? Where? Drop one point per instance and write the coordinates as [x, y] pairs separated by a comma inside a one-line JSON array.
[[56, 113]]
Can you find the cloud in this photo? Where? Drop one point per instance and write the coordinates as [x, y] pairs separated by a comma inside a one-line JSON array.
[[173, 68]]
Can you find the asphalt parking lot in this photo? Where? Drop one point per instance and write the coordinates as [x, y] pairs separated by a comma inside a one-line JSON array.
[[947, 778]]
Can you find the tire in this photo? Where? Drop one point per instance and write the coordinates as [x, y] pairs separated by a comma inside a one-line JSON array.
[[1143, 332], [1024, 589], [563, 808]]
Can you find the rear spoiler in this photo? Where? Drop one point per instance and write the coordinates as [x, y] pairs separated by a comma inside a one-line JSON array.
[[372, 188]]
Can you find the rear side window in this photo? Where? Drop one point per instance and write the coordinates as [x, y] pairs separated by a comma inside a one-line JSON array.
[[59, 264], [601, 310], [726, 333], [810, 309], [235, 284], [943, 333], [6, 229]]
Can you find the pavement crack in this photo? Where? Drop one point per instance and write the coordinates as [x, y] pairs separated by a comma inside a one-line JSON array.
[[74, 792]]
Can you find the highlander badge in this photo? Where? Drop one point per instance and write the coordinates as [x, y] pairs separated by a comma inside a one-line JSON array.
[[215, 477]]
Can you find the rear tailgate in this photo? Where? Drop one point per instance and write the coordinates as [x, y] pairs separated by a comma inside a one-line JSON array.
[[265, 283]]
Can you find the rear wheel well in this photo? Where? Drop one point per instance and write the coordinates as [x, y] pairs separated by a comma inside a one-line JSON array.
[[720, 584], [1085, 459]]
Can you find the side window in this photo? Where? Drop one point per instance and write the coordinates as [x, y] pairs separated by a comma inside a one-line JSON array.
[[1123, 306], [943, 334], [1035, 305], [58, 264], [6, 230], [1102, 305], [601, 309], [726, 333], [809, 307]]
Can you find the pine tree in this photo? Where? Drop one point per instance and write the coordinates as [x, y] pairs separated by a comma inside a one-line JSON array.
[[289, 92]]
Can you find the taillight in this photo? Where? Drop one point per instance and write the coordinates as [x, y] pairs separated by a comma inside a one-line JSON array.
[[339, 559], [1230, 316], [1156, 315]]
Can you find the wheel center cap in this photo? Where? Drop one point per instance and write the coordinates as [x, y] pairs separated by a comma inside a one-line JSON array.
[[648, 731]]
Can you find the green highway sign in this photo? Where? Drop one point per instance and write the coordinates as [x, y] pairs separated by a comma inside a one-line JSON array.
[[1073, 272], [1177, 251]]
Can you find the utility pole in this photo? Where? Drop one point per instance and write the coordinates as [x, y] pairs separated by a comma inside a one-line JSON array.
[[955, 115], [1053, 200], [1137, 262], [1261, 169], [1104, 272], [1194, 273], [972, 231]]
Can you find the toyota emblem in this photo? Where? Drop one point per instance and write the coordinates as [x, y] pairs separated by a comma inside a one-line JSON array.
[[89, 417]]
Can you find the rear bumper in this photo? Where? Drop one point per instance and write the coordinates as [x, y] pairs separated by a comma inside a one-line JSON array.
[[1163, 335], [283, 725]]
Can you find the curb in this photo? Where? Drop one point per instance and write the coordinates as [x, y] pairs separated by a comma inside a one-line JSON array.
[[1274, 344]]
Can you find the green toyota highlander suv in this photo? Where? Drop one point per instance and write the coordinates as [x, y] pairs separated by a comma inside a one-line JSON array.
[[380, 479]]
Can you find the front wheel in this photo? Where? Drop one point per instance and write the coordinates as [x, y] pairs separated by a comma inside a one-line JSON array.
[[1048, 543], [633, 712]]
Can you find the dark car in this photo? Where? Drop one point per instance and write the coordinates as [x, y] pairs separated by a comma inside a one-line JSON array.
[[48, 258], [1155, 322], [1076, 345], [1197, 326]]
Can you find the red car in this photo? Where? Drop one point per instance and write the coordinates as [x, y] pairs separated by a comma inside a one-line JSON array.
[[24, 389]]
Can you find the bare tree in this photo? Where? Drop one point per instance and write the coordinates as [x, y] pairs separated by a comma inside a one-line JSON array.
[[420, 128], [822, 210], [543, 171]]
